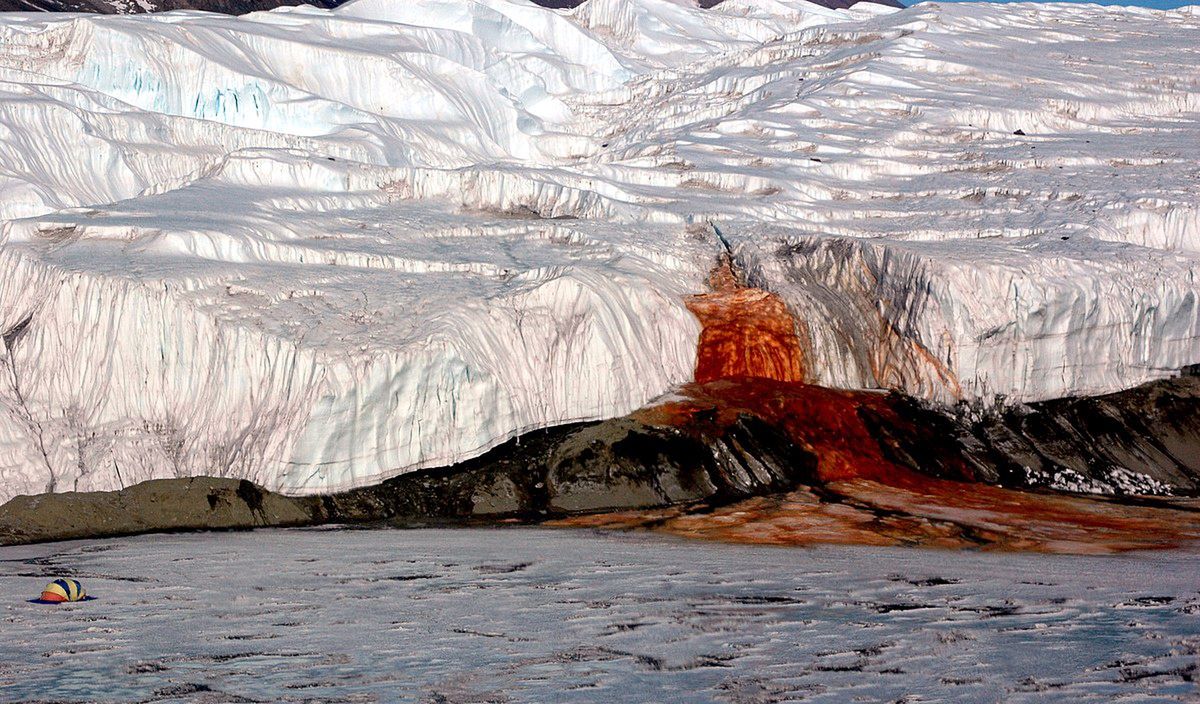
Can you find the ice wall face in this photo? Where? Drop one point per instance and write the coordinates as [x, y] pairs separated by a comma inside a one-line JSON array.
[[317, 249], [323, 360]]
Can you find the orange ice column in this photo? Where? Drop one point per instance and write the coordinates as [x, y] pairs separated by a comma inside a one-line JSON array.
[[746, 332]]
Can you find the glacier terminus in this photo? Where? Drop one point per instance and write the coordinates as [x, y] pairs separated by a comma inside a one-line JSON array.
[[317, 249]]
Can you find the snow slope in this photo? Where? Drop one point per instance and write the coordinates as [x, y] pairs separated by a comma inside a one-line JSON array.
[[319, 248]]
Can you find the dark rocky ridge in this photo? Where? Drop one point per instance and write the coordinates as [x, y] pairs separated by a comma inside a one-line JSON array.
[[241, 7], [615, 464], [1093, 442], [649, 460]]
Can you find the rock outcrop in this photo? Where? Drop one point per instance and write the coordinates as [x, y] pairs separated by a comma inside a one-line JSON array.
[[195, 503]]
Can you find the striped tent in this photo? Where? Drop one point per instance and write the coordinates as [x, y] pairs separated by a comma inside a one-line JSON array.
[[61, 590]]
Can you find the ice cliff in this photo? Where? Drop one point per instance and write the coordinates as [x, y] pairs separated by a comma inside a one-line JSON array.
[[317, 249]]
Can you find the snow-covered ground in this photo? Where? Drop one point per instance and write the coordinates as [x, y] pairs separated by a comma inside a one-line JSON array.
[[316, 249], [530, 615]]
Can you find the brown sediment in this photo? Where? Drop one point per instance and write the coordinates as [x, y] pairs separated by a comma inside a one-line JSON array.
[[872, 513], [1022, 520]]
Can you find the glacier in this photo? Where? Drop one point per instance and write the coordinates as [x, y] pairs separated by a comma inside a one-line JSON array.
[[317, 249]]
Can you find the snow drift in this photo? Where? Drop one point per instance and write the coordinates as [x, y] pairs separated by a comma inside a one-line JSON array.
[[316, 249]]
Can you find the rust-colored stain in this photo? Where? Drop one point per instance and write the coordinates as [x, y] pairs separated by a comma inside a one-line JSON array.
[[859, 496], [871, 513], [746, 332], [825, 422], [751, 363]]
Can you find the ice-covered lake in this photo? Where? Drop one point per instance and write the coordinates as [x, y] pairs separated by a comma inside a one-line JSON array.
[[536, 615]]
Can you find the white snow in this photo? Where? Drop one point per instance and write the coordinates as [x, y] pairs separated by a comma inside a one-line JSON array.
[[317, 249], [540, 616], [1116, 480]]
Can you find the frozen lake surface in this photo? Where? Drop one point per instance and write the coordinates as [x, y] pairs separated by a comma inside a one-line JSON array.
[[535, 615]]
